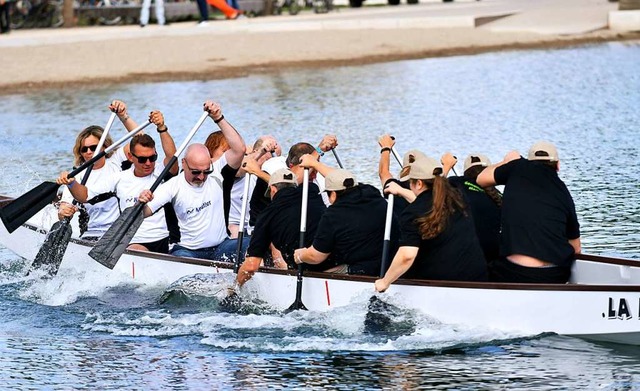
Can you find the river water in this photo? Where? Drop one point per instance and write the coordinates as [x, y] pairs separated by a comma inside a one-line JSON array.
[[70, 333]]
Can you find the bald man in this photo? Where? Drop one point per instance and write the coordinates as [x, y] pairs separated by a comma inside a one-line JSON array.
[[197, 197]]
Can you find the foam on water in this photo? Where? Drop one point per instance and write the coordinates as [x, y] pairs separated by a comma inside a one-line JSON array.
[[259, 328]]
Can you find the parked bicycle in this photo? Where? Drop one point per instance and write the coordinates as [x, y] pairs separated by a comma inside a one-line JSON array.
[[36, 13], [108, 21], [294, 6], [322, 6]]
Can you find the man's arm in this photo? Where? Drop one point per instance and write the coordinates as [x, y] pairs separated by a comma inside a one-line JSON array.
[[576, 244], [401, 263], [487, 178], [248, 268], [154, 201], [308, 161], [309, 255], [328, 142], [448, 162], [386, 143], [120, 108], [168, 145], [250, 165], [236, 144]]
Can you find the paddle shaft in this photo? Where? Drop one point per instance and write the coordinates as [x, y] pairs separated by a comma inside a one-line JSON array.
[[396, 155], [335, 154], [297, 305], [387, 236], [243, 215]]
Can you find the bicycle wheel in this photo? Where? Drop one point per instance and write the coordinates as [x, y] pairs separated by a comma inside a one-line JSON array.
[[57, 19], [18, 13], [321, 6], [110, 21], [294, 7]]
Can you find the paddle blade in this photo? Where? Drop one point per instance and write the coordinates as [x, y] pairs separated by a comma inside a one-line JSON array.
[[387, 320], [377, 319], [231, 303], [52, 250], [27, 205], [297, 305], [113, 243]]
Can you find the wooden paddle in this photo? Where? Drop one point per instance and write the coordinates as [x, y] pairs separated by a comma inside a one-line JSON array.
[[55, 244], [27, 205], [113, 243], [297, 304]]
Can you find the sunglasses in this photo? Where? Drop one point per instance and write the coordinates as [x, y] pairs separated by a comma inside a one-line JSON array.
[[143, 159], [89, 147], [198, 172]]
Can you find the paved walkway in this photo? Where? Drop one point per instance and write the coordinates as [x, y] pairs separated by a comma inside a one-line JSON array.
[[566, 17], [88, 56]]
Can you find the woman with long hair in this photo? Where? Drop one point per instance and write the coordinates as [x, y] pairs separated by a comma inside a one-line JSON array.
[[97, 215], [485, 204], [437, 236]]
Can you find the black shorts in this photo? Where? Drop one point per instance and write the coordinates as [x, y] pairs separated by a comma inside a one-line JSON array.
[[503, 270], [159, 246]]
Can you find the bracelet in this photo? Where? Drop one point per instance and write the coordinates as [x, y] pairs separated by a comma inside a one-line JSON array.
[[320, 151], [219, 119], [385, 149], [162, 131]]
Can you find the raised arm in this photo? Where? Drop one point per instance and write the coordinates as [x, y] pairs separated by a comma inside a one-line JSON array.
[[168, 145], [236, 144], [386, 142], [328, 142], [448, 161], [120, 108], [486, 178]]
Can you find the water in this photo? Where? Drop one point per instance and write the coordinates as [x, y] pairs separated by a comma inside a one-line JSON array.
[[74, 333]]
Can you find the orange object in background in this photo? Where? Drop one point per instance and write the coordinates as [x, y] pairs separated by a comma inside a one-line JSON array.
[[228, 11]]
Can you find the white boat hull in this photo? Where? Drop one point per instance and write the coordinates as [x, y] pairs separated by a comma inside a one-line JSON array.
[[602, 303]]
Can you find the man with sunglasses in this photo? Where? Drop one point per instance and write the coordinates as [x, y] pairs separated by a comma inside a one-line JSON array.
[[197, 196], [153, 234]]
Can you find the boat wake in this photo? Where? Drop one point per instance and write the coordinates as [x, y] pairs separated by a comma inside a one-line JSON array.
[[191, 307]]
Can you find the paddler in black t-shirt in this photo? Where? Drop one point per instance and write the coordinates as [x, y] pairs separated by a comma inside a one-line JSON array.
[[540, 230], [484, 204], [351, 231], [437, 236], [279, 223]]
